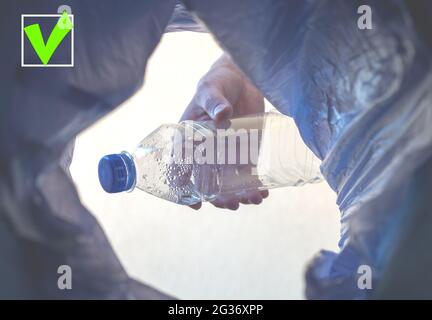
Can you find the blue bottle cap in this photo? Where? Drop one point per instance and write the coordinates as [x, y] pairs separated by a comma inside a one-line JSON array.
[[116, 172]]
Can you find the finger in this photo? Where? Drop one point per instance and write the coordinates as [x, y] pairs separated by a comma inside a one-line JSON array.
[[264, 193], [226, 202], [218, 203], [255, 198], [244, 197], [194, 112], [214, 103], [222, 112], [196, 206], [251, 197], [232, 203]]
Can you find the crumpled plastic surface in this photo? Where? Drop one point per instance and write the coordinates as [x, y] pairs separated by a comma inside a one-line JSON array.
[[182, 20], [362, 100], [43, 224]]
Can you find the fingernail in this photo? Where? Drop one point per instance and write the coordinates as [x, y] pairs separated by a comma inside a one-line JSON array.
[[219, 108]]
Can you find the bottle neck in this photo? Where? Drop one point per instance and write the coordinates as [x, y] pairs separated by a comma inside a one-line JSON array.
[[130, 170]]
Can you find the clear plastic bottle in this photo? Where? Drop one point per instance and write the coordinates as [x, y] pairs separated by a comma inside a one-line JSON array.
[[196, 161]]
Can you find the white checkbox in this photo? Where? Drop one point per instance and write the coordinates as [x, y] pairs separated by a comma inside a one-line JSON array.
[[71, 16]]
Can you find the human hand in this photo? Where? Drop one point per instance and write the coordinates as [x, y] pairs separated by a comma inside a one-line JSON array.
[[225, 92]]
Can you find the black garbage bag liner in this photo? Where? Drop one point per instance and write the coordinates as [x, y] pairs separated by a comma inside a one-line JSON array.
[[361, 99], [43, 223]]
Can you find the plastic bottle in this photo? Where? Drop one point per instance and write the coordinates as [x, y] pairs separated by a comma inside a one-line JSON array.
[[195, 161]]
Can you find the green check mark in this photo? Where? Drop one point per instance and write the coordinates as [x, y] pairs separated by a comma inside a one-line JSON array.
[[60, 31]]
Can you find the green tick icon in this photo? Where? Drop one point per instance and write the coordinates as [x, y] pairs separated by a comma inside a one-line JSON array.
[[60, 31]]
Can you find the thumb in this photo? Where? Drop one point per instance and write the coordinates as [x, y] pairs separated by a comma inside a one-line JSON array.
[[215, 105], [222, 112]]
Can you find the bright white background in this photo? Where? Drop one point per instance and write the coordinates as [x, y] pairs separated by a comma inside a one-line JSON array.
[[257, 252]]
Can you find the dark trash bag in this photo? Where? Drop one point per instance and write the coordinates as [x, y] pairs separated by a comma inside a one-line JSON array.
[[43, 224], [361, 99]]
